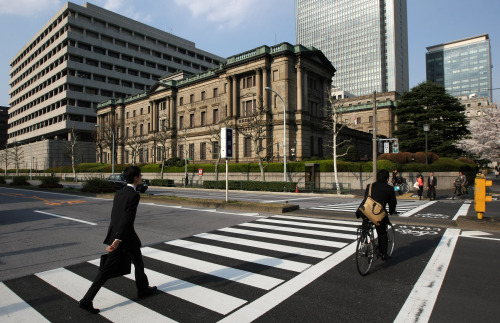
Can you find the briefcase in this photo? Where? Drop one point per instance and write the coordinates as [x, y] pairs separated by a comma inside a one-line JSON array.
[[122, 265]]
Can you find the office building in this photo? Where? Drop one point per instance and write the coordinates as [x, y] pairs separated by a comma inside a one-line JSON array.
[[194, 108], [4, 116], [463, 67], [366, 41], [82, 56]]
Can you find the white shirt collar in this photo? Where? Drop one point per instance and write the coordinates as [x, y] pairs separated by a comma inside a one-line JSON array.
[[131, 185]]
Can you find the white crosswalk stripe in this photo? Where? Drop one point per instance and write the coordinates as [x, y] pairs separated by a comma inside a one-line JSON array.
[[283, 247], [402, 207]]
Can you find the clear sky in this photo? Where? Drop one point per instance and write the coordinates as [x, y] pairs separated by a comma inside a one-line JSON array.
[[229, 27]]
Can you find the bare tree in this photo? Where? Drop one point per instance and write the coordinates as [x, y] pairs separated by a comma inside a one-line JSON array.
[[5, 158], [256, 127], [214, 142], [136, 140], [99, 142], [72, 149], [162, 138], [107, 136], [16, 155], [334, 123]]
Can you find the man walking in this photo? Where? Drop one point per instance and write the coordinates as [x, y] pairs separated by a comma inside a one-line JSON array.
[[460, 183], [122, 239], [431, 186]]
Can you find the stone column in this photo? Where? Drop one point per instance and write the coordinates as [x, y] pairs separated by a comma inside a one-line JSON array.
[[229, 109], [152, 107], [258, 85], [235, 97], [265, 83], [121, 147], [299, 88], [305, 94]]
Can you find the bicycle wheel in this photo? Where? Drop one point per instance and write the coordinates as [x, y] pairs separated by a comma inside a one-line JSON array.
[[404, 188], [365, 252], [391, 239]]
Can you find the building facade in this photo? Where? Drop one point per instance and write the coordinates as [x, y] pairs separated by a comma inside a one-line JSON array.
[[463, 67], [85, 55], [366, 41], [194, 108], [4, 117]]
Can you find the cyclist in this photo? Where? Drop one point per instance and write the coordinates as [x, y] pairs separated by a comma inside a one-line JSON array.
[[460, 183], [383, 193]]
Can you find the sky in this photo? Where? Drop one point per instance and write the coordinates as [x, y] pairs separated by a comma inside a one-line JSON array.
[[229, 27]]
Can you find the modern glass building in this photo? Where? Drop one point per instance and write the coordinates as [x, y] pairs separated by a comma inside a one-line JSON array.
[[366, 41], [462, 66]]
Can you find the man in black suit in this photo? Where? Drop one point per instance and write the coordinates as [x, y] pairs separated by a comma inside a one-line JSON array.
[[432, 183], [122, 239]]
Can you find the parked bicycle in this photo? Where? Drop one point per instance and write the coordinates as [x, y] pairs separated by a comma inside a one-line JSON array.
[[367, 246], [401, 187]]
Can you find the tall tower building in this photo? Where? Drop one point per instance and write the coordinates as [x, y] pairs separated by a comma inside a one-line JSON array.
[[83, 56], [463, 66], [366, 41]]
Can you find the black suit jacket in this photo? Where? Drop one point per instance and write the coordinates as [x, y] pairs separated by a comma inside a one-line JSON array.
[[122, 219], [434, 181], [384, 194]]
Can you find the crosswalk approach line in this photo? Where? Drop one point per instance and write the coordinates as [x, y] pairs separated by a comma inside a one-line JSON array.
[[241, 255], [14, 309], [236, 275], [311, 225], [196, 294], [318, 242], [113, 306], [266, 245], [309, 219], [304, 231]]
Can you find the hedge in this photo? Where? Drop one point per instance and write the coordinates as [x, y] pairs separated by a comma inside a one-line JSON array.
[[2, 180], [50, 182], [252, 185], [20, 181], [97, 185]]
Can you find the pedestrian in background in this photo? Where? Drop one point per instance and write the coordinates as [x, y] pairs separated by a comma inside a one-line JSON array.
[[420, 181], [431, 186]]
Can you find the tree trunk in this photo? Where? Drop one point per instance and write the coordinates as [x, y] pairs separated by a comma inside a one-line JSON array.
[[335, 157], [262, 174], [162, 168], [217, 169]]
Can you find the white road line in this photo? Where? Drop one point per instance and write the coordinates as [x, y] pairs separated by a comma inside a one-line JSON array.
[[65, 217], [241, 255], [237, 275], [304, 231], [419, 305], [421, 207], [299, 218], [266, 245], [484, 238], [196, 294], [292, 199], [71, 195], [462, 211], [14, 309], [113, 306], [319, 242], [310, 225], [267, 302], [208, 210]]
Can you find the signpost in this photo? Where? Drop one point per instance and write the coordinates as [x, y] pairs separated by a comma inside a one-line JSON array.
[[226, 151]]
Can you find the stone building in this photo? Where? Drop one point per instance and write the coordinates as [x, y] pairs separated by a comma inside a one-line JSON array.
[[195, 107]]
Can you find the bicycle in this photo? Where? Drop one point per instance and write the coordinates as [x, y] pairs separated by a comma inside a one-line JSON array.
[[367, 246], [402, 188]]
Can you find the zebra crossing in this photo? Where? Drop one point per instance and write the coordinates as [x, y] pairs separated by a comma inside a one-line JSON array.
[[229, 274], [404, 206]]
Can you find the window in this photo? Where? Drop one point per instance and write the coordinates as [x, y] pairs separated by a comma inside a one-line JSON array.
[[248, 108], [276, 75], [203, 151], [216, 92], [127, 114], [203, 95], [141, 129], [311, 145], [163, 124], [181, 152], [215, 150], [247, 147], [370, 119], [181, 122], [358, 120], [320, 147], [191, 151], [191, 120], [203, 118], [133, 113], [141, 111], [191, 98], [216, 116], [181, 101]]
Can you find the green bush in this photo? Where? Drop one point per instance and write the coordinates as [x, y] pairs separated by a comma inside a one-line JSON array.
[[97, 185], [2, 180], [252, 185], [50, 182], [162, 182], [19, 181]]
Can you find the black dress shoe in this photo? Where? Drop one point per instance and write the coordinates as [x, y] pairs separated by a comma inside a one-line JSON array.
[[385, 257], [148, 291], [87, 305]]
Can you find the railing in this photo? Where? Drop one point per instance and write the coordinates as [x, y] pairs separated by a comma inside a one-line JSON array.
[[345, 188]]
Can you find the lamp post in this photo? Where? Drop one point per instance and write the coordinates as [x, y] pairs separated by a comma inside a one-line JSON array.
[[112, 147], [426, 131], [284, 131]]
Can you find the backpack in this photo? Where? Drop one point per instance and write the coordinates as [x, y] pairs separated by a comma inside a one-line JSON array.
[[372, 209]]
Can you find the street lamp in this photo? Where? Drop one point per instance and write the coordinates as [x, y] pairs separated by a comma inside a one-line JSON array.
[[112, 147], [284, 131], [427, 128]]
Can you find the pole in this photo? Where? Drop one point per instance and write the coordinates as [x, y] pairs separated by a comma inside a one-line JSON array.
[[374, 143], [227, 182], [284, 132], [31, 166], [113, 152], [426, 156]]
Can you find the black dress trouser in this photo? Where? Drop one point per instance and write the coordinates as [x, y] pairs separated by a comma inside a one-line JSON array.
[[382, 235], [141, 280]]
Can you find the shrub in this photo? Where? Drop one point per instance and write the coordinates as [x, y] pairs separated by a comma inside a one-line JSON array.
[[51, 182], [97, 185], [252, 185], [466, 160], [19, 181], [162, 182], [2, 180]]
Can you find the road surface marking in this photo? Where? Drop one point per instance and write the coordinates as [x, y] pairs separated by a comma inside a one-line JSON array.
[[196, 294], [310, 225], [14, 309], [462, 211], [65, 217], [478, 235], [421, 207], [267, 302], [208, 210], [292, 199], [304, 231], [266, 245], [319, 242], [242, 255], [113, 306], [229, 273], [298, 218], [420, 303]]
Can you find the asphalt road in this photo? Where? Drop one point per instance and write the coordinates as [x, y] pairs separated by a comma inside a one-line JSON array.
[[230, 266]]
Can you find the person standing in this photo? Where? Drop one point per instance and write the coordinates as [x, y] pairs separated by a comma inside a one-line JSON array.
[[122, 239], [420, 181], [431, 186]]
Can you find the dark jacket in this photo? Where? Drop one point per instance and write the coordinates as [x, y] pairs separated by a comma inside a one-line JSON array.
[[434, 181], [122, 219], [384, 194]]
